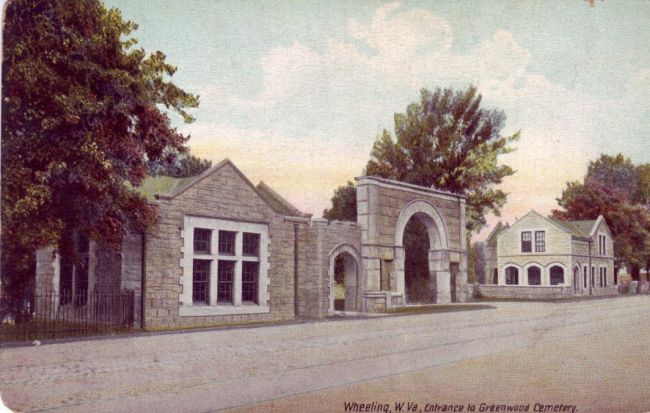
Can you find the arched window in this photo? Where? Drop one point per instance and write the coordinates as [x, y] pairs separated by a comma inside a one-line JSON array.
[[534, 276], [512, 276], [557, 275]]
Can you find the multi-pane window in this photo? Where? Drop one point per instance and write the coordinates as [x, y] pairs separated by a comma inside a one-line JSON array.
[[224, 264], [557, 275], [512, 276], [73, 272], [202, 240], [600, 276], [526, 241], [225, 278], [66, 269], [251, 244], [201, 281], [250, 271], [227, 242], [534, 276], [540, 241]]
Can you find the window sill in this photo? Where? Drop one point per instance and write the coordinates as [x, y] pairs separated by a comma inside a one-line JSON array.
[[207, 310]]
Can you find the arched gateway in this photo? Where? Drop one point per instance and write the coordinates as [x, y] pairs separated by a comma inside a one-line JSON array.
[[384, 208]]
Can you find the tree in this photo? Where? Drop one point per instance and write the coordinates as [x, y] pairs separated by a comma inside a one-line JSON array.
[[479, 261], [617, 174], [344, 204], [83, 114], [447, 141], [643, 185], [612, 188], [182, 165]]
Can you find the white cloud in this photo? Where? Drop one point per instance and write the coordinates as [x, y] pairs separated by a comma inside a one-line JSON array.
[[319, 109]]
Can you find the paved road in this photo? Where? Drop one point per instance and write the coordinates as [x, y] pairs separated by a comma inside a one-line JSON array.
[[213, 370]]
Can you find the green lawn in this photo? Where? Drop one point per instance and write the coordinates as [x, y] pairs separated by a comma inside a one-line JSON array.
[[438, 308]]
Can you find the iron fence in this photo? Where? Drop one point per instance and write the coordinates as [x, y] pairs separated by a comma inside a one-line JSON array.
[[64, 314]]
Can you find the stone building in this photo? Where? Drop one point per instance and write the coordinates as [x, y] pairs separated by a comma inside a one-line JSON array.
[[542, 257], [227, 251]]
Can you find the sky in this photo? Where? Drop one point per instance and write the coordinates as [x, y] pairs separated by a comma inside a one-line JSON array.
[[296, 92]]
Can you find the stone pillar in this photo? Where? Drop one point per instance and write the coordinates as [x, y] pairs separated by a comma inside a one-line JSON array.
[[399, 272], [439, 265]]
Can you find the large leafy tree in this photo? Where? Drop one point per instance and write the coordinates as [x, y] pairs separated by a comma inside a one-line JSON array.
[[643, 184], [344, 204], [447, 140], [612, 187], [181, 166], [83, 113]]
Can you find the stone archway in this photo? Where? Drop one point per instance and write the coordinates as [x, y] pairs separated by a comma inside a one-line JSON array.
[[384, 208], [439, 269], [351, 260]]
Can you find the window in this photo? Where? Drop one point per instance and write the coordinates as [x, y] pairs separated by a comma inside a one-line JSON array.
[[593, 278], [249, 282], [200, 281], [227, 242], [73, 273], [585, 273], [603, 276], [602, 244], [495, 276], [225, 277], [557, 275], [512, 276], [65, 280], [225, 267], [251, 245], [525, 241], [540, 242], [202, 240], [534, 276]]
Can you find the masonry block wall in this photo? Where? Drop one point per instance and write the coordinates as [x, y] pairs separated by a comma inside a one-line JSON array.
[[224, 195], [322, 239]]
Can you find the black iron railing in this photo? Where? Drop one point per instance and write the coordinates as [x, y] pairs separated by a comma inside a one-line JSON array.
[[64, 314]]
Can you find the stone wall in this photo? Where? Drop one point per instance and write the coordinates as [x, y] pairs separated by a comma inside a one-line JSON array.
[[108, 269], [322, 239], [518, 291], [45, 269]]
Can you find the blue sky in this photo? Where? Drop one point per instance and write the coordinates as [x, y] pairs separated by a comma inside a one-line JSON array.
[[296, 92]]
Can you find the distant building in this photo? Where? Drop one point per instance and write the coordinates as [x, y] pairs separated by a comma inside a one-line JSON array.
[[543, 257]]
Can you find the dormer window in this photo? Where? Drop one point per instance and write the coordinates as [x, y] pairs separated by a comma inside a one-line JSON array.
[[526, 244]]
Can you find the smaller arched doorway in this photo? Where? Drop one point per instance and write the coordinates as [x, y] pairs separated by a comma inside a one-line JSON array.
[[576, 278], [344, 279]]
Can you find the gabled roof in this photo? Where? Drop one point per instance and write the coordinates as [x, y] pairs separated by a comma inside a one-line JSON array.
[[588, 226], [277, 202], [566, 226], [166, 187], [576, 228], [498, 228]]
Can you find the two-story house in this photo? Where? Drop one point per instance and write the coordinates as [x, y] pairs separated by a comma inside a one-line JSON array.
[[543, 257]]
